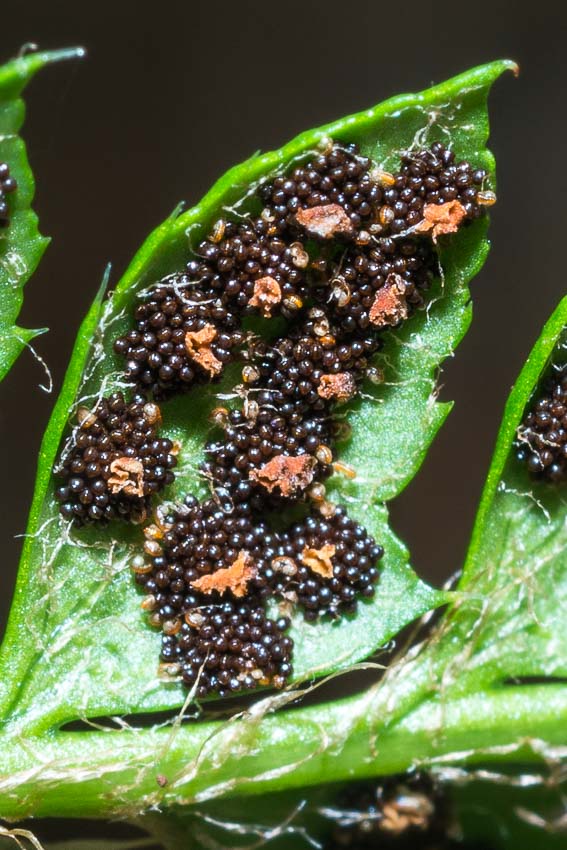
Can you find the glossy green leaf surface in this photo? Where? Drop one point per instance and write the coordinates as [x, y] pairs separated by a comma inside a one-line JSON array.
[[90, 653], [21, 244]]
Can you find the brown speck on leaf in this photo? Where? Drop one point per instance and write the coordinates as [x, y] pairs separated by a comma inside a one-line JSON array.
[[288, 472], [327, 509], [288, 602], [390, 306], [127, 477], [344, 469], [340, 386], [267, 293], [286, 607], [194, 618], [219, 416], [198, 347], [152, 413], [161, 780], [299, 256], [325, 221], [285, 565], [176, 448], [148, 603], [319, 560], [384, 178], [85, 417], [168, 671], [218, 231], [152, 547], [153, 532], [234, 578], [441, 218], [486, 199]]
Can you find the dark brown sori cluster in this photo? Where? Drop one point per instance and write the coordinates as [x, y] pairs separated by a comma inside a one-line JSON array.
[[182, 336], [337, 182], [342, 251], [542, 436], [402, 812], [115, 463], [7, 186], [336, 563], [206, 584]]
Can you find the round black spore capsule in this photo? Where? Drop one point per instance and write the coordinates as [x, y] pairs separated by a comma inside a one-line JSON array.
[[542, 437], [336, 564], [115, 462]]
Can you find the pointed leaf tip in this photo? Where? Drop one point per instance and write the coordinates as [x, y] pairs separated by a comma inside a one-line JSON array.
[[508, 65]]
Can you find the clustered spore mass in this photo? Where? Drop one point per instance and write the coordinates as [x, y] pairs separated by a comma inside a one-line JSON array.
[[343, 251], [116, 462], [542, 437]]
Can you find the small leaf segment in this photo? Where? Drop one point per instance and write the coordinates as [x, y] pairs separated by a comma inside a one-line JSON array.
[[341, 251], [21, 244], [542, 436]]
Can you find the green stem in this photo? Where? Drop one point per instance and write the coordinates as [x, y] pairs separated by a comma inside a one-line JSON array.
[[122, 773]]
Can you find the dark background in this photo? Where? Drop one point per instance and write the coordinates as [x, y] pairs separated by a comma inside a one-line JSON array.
[[172, 94]]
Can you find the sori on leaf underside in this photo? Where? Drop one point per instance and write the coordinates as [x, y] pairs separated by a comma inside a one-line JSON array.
[[89, 654]]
